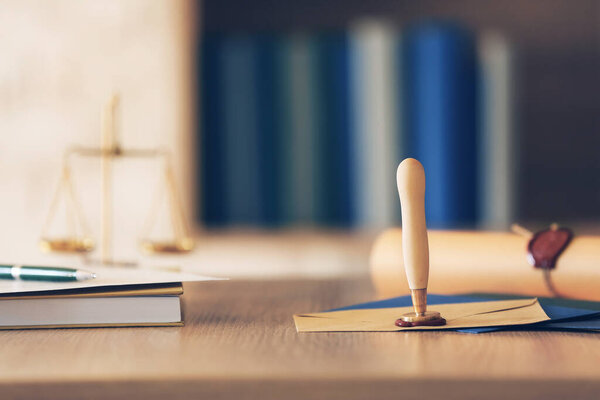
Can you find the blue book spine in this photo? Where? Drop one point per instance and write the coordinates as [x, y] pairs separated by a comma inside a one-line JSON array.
[[441, 118], [211, 165], [270, 109], [242, 179], [335, 136]]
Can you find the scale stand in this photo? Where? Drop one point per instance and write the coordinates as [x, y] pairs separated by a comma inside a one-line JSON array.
[[79, 239]]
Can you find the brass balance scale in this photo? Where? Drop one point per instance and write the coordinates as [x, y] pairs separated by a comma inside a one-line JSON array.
[[79, 239]]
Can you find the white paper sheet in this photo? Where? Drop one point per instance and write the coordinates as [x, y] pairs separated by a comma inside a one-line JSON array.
[[106, 276]]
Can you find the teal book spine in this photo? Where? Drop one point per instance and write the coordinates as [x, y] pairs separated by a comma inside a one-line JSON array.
[[242, 179], [211, 164], [271, 111], [301, 101], [335, 205]]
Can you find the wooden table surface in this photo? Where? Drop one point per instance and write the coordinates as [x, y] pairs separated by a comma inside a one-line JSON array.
[[239, 342]]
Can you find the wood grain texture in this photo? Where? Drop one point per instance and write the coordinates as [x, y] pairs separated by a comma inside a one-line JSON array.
[[239, 342]]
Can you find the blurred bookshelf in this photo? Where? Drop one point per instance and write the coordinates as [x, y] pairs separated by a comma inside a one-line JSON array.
[[540, 156]]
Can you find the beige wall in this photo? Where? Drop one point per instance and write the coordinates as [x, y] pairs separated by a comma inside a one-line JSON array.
[[60, 60]]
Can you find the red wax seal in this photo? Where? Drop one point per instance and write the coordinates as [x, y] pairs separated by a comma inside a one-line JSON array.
[[545, 247], [432, 322]]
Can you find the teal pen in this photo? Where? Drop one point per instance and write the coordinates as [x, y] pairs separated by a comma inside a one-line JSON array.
[[35, 273]]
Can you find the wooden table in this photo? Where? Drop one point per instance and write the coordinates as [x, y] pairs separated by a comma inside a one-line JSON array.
[[239, 342]]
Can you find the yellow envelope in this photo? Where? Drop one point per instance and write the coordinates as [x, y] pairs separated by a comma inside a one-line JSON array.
[[460, 315]]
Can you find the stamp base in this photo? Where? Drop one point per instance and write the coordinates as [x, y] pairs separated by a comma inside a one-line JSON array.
[[429, 318]]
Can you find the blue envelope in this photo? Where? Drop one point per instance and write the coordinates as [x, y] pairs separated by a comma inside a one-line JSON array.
[[562, 312]]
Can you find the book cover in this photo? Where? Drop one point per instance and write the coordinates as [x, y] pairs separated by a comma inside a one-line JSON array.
[[497, 151], [153, 289], [334, 184], [241, 179], [270, 119], [211, 164], [300, 165], [441, 119], [377, 115]]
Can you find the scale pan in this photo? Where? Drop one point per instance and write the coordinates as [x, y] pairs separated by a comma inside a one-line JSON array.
[[67, 245], [180, 246]]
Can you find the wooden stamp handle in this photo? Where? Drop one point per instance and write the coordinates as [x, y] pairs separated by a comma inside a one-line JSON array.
[[411, 188]]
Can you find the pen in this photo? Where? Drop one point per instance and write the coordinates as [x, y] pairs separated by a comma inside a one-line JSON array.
[[35, 273]]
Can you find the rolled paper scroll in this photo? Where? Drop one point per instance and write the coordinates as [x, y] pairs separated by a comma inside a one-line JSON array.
[[491, 262]]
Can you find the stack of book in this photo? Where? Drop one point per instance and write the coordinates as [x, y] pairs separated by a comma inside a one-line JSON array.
[[306, 129], [117, 297]]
